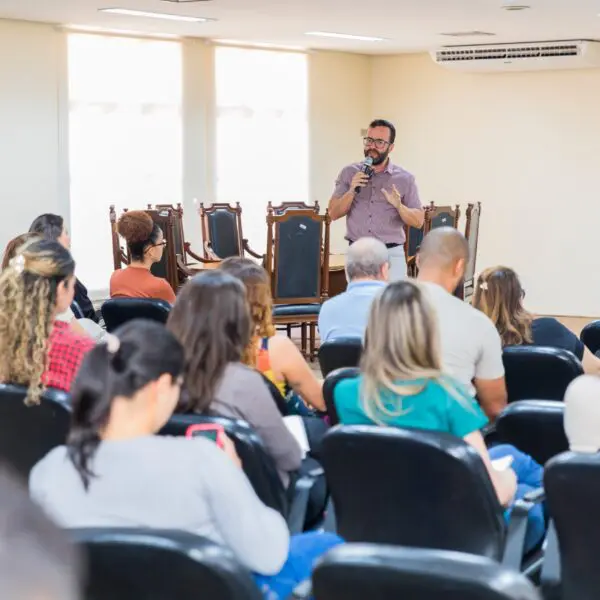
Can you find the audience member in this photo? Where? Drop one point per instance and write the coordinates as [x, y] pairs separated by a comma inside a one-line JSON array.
[[53, 227], [36, 350], [275, 356], [582, 414], [212, 322], [402, 385], [146, 243], [114, 471], [471, 347], [499, 295], [367, 269], [79, 326], [37, 560]]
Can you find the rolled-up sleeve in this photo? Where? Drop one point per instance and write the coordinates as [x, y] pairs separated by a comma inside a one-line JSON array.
[[411, 197], [342, 183]]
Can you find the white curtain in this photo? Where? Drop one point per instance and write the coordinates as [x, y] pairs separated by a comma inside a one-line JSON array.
[[125, 138], [262, 132]]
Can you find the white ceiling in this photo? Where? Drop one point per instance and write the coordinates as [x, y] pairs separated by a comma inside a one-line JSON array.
[[407, 25]]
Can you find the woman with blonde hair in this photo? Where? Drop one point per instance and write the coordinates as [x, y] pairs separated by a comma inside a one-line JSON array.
[[146, 243], [275, 356], [402, 385], [499, 295], [37, 350]]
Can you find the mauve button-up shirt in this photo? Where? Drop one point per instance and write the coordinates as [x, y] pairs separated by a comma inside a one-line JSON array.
[[370, 214]]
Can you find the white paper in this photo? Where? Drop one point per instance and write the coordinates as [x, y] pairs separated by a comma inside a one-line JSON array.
[[501, 464], [295, 425]]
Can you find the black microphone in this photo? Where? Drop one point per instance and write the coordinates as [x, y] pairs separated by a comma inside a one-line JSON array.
[[365, 168]]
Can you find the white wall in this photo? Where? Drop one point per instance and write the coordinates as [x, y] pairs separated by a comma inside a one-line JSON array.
[[339, 104], [527, 145], [32, 166]]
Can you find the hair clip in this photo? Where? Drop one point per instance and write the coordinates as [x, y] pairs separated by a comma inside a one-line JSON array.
[[112, 343], [483, 286], [18, 263]]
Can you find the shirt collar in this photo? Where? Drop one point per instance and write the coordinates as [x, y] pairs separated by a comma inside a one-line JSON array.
[[366, 283]]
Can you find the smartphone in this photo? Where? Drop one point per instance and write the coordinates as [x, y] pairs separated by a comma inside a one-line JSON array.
[[211, 431]]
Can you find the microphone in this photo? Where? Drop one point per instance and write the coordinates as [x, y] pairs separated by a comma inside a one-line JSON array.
[[365, 168]]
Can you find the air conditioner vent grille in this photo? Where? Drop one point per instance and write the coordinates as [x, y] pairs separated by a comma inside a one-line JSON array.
[[459, 54]]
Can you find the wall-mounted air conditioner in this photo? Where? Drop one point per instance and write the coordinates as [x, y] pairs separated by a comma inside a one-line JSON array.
[[535, 56]]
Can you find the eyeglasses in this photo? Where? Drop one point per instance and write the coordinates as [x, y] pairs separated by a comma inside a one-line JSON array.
[[163, 243], [379, 144]]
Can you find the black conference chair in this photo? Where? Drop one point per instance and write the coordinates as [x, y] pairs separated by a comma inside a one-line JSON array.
[[359, 571], [118, 311], [258, 466], [148, 564], [419, 489], [590, 336], [28, 433], [338, 353], [537, 372], [329, 386], [535, 427], [572, 484]]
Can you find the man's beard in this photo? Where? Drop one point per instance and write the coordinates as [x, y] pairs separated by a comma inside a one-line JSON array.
[[379, 158]]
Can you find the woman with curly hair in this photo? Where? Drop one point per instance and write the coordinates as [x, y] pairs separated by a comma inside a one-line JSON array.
[[36, 350], [275, 356], [146, 243], [499, 295]]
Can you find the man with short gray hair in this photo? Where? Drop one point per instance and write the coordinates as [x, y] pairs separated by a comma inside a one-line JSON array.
[[367, 272]]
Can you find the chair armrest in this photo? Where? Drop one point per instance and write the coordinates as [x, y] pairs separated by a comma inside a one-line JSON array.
[[249, 250], [551, 574], [517, 528], [197, 257], [300, 496]]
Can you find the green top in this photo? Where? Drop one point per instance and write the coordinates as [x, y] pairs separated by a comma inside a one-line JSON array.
[[434, 408]]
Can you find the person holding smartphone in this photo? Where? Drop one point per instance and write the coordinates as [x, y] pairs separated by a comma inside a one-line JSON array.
[[114, 471]]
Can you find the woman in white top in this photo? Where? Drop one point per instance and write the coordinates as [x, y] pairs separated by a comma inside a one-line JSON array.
[[115, 472]]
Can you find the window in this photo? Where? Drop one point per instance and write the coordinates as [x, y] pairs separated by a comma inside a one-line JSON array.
[[262, 132], [125, 138]]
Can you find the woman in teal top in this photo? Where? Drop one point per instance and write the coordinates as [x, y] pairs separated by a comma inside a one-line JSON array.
[[402, 385]]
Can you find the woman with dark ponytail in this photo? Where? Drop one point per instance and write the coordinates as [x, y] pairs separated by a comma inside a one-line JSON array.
[[115, 472]]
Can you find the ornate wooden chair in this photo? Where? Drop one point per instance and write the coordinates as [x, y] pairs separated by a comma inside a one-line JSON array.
[[298, 264], [414, 237], [473, 215], [441, 216], [222, 232], [280, 209]]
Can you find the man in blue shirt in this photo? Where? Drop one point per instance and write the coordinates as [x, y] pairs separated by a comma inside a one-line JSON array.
[[367, 270]]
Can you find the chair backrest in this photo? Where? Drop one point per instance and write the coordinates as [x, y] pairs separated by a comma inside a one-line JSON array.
[[332, 379], [535, 427], [166, 218], [338, 353], [28, 433], [414, 237], [256, 461], [123, 564], [359, 571], [590, 336], [412, 488], [441, 216], [178, 234], [119, 249], [279, 400], [473, 216], [117, 311], [572, 485], [280, 209], [222, 229], [298, 256], [537, 372]]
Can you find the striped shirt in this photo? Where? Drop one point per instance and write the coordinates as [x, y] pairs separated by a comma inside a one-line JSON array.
[[371, 215]]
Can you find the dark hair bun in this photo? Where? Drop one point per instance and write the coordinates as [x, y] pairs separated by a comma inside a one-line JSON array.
[[135, 226]]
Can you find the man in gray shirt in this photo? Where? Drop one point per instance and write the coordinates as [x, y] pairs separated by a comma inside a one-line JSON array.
[[471, 346]]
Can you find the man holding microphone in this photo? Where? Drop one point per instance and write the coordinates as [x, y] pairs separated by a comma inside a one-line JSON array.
[[378, 198]]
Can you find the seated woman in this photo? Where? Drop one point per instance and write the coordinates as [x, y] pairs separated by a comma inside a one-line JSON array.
[[276, 356], [36, 350], [115, 472], [498, 294], [79, 326], [211, 321], [52, 227], [146, 244], [402, 385]]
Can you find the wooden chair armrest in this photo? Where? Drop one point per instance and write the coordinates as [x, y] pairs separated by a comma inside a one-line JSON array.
[[195, 256], [250, 251]]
